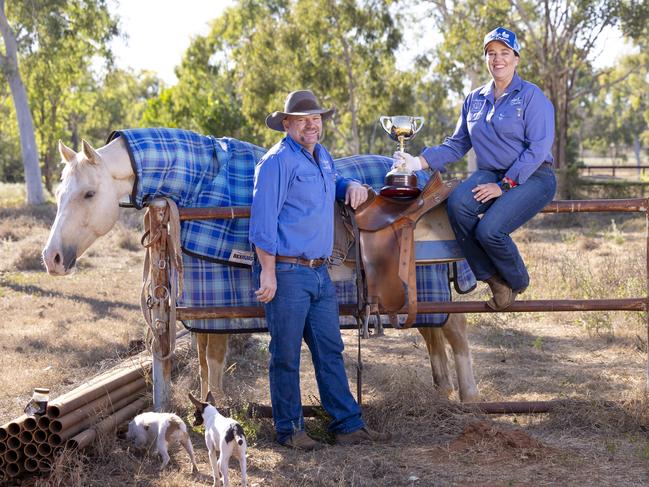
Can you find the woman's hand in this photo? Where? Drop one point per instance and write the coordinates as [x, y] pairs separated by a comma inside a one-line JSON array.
[[486, 192], [411, 163]]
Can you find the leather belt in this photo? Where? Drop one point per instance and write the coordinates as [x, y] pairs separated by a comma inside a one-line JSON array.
[[301, 261]]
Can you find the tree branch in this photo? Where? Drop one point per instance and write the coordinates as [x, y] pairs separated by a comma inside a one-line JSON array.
[[606, 85]]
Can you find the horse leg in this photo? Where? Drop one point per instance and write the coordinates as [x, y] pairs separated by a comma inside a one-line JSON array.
[[455, 332], [201, 345], [434, 338], [212, 349], [217, 349]]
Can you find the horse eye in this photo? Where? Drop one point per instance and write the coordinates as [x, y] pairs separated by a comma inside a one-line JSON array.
[[89, 195]]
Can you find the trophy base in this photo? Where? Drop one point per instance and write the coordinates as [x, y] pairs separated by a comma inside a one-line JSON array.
[[400, 192]]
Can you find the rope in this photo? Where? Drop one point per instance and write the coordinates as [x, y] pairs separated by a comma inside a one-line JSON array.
[[172, 263], [362, 307]]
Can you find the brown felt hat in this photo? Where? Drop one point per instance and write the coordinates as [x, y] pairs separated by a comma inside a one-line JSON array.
[[301, 102]]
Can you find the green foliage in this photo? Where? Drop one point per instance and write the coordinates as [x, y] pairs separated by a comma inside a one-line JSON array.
[[258, 51], [619, 111]]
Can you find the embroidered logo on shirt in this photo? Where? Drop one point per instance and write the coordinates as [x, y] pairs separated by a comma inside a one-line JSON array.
[[477, 105], [518, 100]]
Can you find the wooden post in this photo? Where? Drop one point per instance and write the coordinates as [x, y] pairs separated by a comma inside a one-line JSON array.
[[647, 283], [161, 369]]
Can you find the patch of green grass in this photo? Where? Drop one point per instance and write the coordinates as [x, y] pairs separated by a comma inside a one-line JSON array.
[[317, 426], [250, 425]]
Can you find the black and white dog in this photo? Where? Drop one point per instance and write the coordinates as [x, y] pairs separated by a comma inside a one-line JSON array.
[[162, 430], [222, 434]]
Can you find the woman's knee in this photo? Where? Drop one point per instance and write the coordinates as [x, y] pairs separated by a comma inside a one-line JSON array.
[[488, 234]]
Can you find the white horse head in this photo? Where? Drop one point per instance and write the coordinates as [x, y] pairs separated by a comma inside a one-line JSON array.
[[92, 183]]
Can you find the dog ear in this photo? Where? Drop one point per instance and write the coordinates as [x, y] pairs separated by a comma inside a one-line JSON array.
[[210, 399], [199, 404]]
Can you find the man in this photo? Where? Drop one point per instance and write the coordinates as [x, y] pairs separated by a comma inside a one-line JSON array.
[[291, 228]]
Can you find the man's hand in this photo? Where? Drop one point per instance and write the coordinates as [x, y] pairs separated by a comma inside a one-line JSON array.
[[486, 192], [267, 285], [412, 163], [356, 195]]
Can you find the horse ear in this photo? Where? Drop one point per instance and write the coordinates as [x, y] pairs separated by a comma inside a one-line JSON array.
[[67, 154], [90, 153]]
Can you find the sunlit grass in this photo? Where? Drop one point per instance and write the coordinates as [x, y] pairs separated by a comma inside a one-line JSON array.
[[14, 195]]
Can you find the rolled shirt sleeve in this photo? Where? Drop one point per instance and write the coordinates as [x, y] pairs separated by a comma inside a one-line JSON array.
[[453, 147]]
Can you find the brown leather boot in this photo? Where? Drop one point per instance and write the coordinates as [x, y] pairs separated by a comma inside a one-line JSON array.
[[363, 435], [503, 295], [302, 441]]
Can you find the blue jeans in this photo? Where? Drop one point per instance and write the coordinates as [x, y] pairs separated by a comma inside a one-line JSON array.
[[485, 242], [305, 306]]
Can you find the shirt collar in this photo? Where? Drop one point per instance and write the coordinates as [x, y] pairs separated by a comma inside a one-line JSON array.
[[296, 147], [514, 85]]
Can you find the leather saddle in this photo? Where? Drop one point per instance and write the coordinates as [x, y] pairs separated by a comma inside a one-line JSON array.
[[385, 228]]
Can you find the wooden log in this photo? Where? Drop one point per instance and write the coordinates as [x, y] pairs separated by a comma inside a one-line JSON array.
[[160, 309]]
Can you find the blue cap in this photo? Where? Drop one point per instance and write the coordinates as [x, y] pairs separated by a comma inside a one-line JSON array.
[[503, 35]]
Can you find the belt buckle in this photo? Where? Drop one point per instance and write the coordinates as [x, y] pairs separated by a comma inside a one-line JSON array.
[[312, 263]]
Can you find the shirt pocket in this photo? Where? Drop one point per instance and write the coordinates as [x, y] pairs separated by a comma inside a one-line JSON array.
[[510, 123], [307, 189]]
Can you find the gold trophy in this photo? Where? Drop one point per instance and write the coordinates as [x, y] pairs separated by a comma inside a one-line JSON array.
[[400, 182]]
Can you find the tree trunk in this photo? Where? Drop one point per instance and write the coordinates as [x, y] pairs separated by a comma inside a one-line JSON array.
[[636, 150], [9, 64]]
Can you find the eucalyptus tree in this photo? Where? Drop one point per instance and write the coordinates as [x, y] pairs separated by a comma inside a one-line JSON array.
[[55, 42], [619, 114], [559, 45], [259, 50]]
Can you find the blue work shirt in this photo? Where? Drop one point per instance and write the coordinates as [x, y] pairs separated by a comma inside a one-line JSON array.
[[292, 201], [514, 133]]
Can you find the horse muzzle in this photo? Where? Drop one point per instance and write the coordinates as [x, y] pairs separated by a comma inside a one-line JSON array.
[[59, 262]]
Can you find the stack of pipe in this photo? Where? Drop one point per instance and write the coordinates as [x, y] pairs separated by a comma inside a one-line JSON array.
[[29, 444]]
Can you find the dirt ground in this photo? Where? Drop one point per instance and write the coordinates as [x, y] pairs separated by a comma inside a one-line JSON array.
[[57, 332]]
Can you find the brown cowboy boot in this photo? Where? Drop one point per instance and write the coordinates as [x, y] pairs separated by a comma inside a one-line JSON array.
[[503, 295], [302, 441], [363, 435]]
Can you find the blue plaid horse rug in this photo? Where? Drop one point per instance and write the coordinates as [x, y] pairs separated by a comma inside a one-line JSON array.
[[198, 171]]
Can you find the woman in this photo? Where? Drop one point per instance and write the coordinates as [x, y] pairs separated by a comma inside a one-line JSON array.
[[510, 125]]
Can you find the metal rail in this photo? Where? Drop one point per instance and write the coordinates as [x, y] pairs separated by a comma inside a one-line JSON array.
[[634, 205]]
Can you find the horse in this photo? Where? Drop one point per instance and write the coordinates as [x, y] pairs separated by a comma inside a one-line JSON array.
[[93, 182]]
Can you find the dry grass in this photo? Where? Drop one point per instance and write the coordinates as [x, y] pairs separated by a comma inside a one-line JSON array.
[[60, 331]]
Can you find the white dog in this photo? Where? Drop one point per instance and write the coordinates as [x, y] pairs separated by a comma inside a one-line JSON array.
[[162, 430], [222, 434]]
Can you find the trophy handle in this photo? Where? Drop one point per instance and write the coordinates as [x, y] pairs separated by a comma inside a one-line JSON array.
[[385, 120], [418, 123]]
